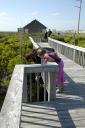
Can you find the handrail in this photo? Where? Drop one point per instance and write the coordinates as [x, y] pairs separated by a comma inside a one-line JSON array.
[[41, 68], [16, 93], [68, 45], [11, 109], [38, 39], [35, 45], [75, 53]]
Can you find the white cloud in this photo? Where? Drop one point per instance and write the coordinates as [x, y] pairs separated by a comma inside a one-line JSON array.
[[55, 14], [34, 13], [8, 22], [2, 14]]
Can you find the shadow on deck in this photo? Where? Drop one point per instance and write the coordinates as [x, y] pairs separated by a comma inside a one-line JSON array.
[[68, 111]]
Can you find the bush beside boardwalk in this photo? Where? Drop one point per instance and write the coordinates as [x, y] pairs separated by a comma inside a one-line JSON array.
[[10, 53], [71, 38], [10, 56]]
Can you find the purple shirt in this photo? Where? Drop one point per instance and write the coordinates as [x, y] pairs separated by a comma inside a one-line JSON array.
[[52, 56]]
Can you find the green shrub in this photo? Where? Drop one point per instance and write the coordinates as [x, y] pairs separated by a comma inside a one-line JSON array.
[[71, 38]]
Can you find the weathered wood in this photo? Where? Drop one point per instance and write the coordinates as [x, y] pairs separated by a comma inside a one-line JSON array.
[[75, 53], [11, 109], [67, 111], [17, 92], [35, 45]]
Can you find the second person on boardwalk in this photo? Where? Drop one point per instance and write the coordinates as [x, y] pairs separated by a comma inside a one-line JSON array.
[[53, 57]]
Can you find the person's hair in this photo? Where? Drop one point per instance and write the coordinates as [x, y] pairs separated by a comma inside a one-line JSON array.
[[41, 51]]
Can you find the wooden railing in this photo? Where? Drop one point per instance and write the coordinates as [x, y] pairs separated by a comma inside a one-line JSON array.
[[75, 53], [35, 45], [37, 38], [47, 71], [11, 109], [18, 91]]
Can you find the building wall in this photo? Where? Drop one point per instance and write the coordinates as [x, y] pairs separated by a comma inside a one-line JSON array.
[[34, 28]]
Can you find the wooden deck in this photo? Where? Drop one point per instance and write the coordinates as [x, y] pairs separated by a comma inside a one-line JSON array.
[[67, 111]]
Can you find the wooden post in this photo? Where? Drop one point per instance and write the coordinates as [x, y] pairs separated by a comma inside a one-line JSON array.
[[51, 86], [24, 98]]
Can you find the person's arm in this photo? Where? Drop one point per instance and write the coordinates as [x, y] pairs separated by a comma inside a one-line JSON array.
[[49, 58], [45, 60]]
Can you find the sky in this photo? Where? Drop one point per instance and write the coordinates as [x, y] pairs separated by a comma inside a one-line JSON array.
[[54, 14]]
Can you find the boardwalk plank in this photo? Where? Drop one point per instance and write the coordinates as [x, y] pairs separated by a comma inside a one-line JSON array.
[[67, 111]]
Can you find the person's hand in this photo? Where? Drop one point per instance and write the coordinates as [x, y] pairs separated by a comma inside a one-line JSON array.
[[45, 60]]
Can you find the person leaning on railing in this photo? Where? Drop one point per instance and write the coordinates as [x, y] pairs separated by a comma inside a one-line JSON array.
[[33, 56], [53, 57]]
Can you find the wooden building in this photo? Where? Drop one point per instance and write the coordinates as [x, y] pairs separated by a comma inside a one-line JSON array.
[[34, 27]]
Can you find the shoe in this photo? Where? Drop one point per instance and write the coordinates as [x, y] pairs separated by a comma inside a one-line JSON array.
[[60, 90]]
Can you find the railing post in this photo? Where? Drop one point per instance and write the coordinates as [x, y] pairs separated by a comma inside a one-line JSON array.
[[51, 86], [24, 98], [45, 79], [74, 55]]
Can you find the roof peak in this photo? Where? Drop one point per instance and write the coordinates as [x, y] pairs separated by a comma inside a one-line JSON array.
[[35, 20]]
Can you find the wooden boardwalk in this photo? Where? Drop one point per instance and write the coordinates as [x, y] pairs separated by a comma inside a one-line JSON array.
[[67, 111]]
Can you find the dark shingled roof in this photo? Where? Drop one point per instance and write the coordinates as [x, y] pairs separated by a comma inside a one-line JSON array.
[[34, 22]]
